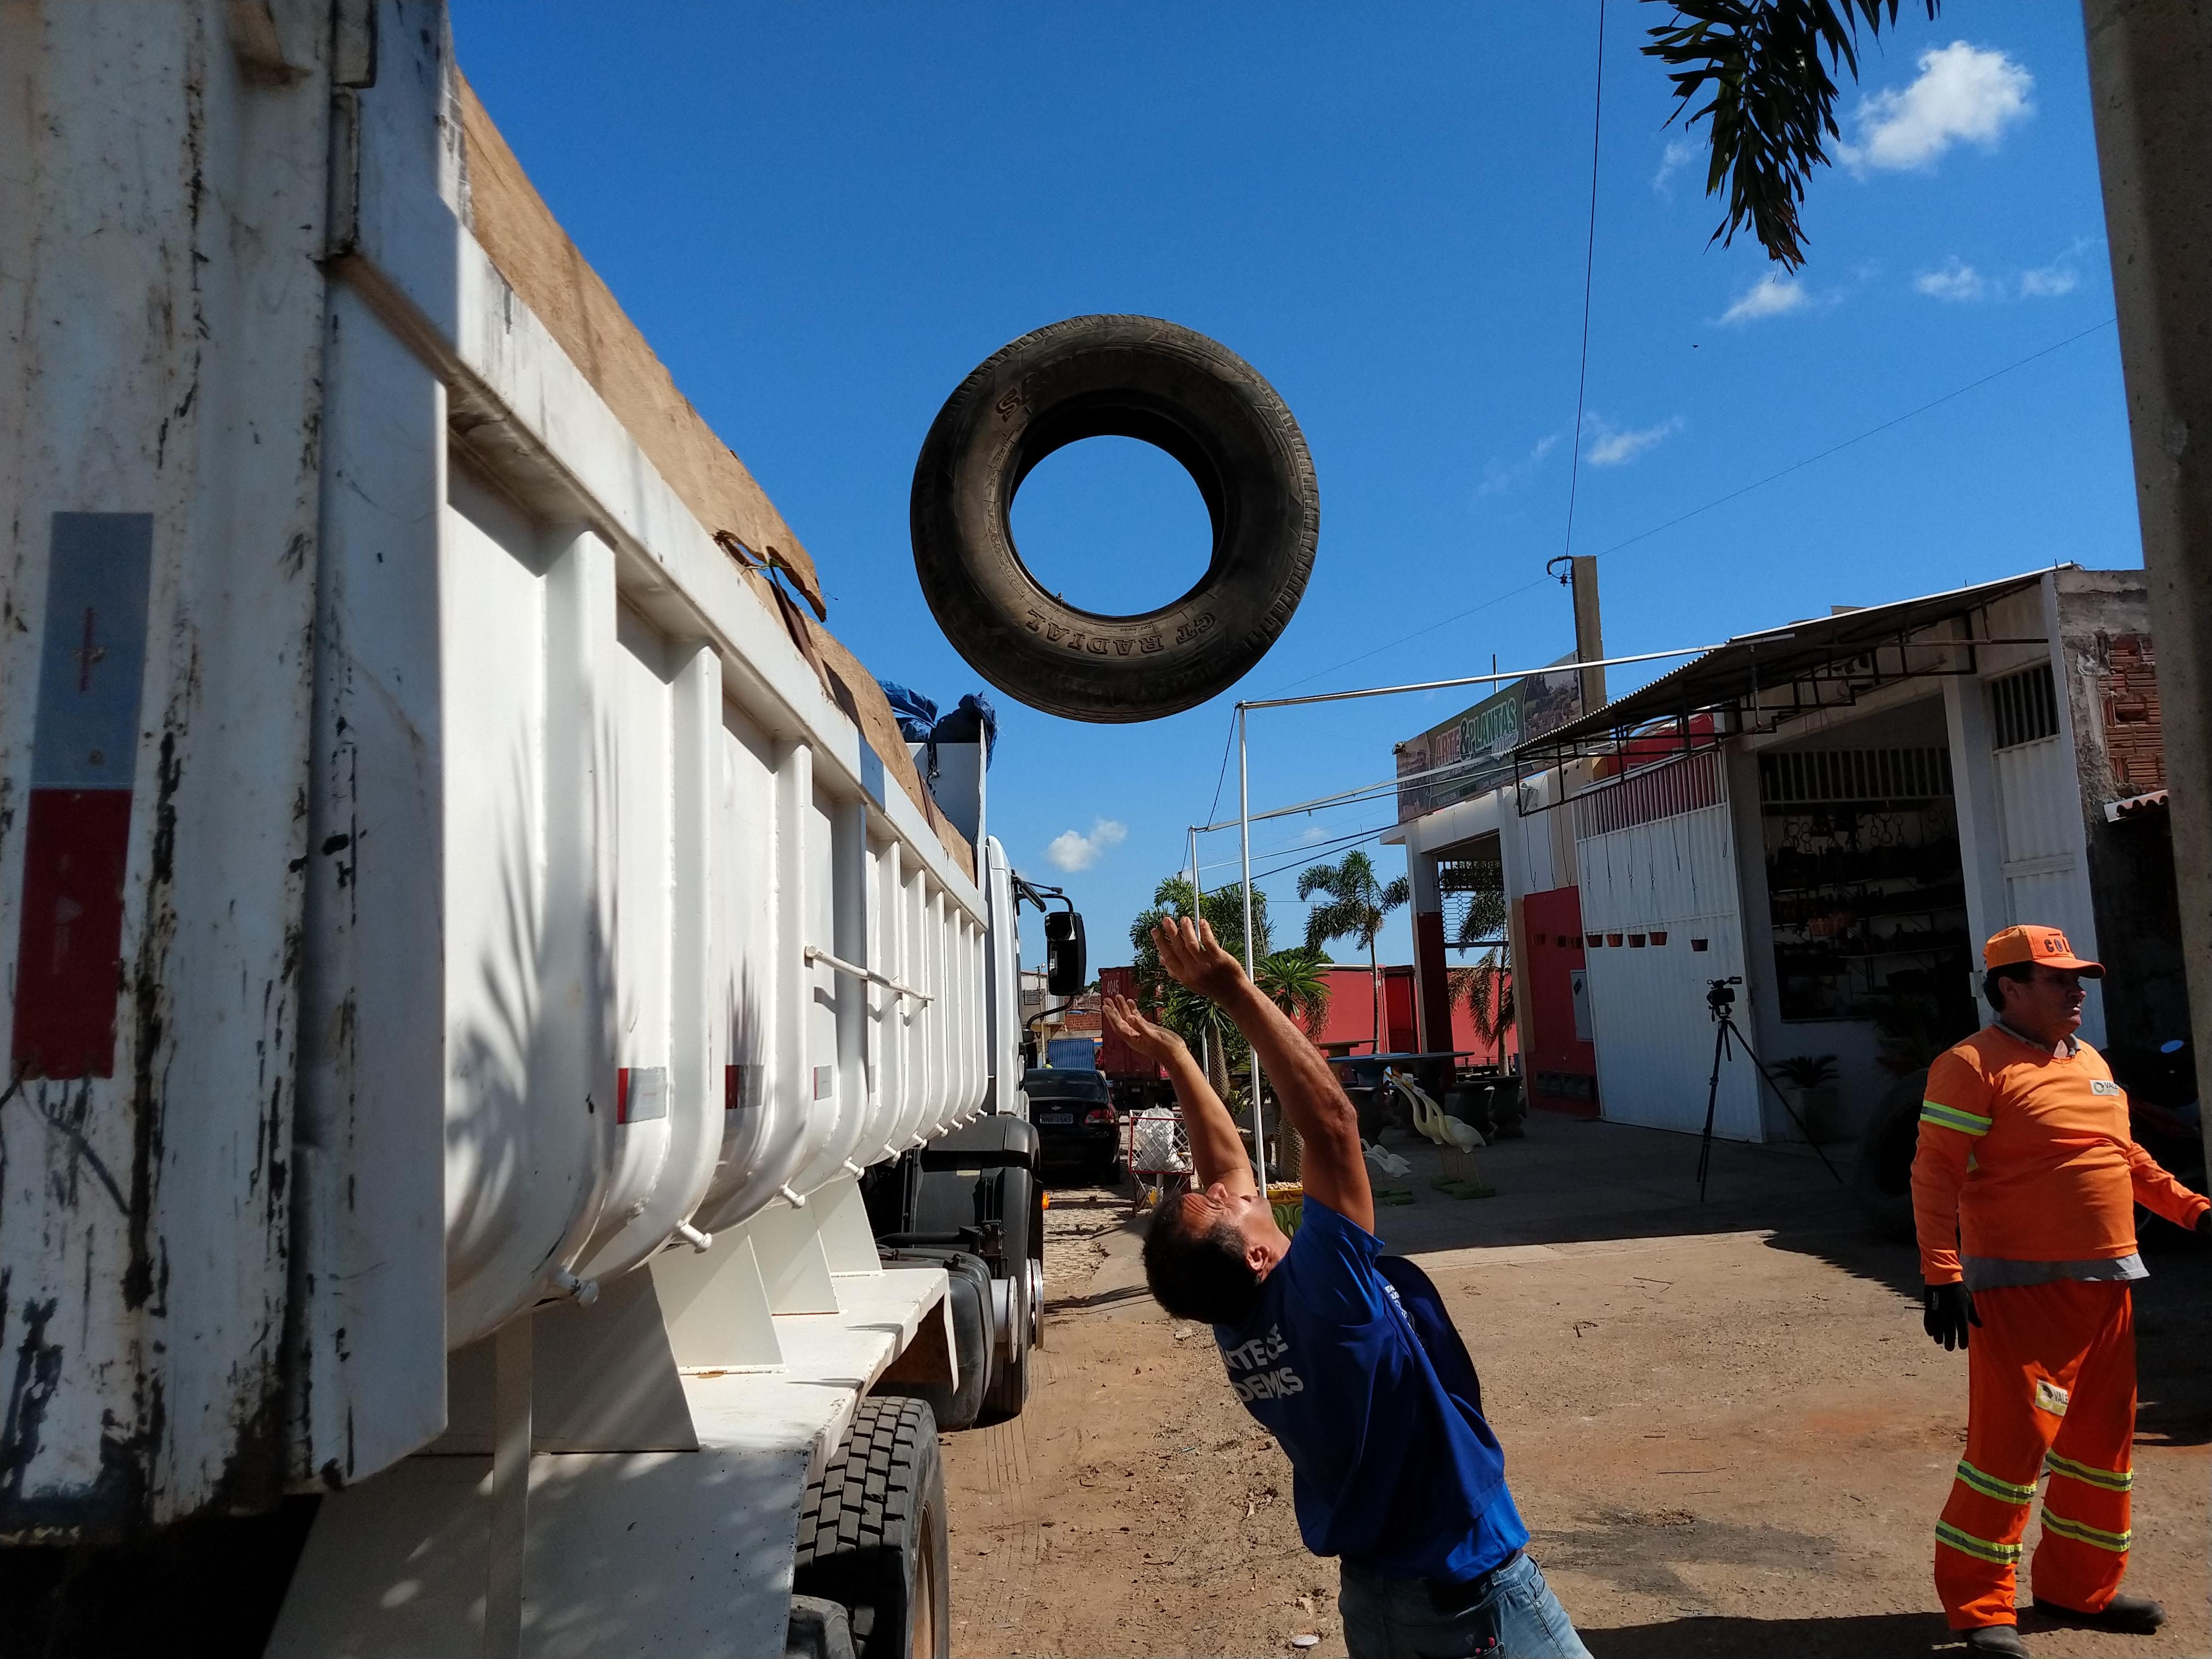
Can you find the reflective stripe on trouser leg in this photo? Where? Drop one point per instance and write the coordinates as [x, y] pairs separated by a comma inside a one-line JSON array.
[[1978, 1541], [2083, 1553]]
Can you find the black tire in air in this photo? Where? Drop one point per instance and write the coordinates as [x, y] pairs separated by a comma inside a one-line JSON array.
[[1131, 377]]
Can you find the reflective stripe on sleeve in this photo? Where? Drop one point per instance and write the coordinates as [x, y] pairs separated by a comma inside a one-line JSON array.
[[1953, 1117], [2110, 1479], [2082, 1533], [1989, 1485], [1987, 1549]]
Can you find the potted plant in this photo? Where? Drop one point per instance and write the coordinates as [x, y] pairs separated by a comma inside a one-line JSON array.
[[1809, 1080]]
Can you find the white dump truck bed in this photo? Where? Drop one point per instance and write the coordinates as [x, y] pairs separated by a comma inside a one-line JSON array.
[[446, 872]]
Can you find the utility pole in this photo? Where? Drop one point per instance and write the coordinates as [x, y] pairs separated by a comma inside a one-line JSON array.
[[1590, 636], [2151, 62], [1580, 578]]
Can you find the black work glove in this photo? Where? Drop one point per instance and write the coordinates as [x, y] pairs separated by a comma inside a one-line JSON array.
[[1946, 1310]]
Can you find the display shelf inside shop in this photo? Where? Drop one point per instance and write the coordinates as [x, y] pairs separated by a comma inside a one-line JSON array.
[[1867, 900]]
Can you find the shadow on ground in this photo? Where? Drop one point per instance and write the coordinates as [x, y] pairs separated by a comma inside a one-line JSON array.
[[1575, 1180], [1876, 1636]]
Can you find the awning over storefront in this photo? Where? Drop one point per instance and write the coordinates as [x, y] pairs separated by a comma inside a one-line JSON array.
[[1758, 681]]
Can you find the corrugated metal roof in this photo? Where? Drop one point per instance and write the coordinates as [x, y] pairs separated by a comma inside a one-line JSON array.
[[1776, 656]]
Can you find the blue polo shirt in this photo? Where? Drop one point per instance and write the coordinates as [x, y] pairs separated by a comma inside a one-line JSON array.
[[1351, 1362]]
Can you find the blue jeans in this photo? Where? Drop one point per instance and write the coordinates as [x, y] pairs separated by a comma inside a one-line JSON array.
[[1509, 1614]]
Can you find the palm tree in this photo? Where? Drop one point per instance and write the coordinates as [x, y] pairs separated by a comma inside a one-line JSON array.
[[1356, 906], [1223, 909], [1188, 1015], [1297, 981], [1484, 986]]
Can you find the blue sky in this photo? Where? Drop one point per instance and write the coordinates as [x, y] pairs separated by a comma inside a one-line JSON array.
[[822, 217]]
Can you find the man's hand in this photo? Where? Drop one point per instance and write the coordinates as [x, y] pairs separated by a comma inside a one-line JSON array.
[[1154, 1041], [1194, 960], [1945, 1311]]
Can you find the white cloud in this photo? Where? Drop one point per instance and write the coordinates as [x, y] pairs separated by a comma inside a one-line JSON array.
[[1072, 850], [1954, 281], [2061, 276], [1611, 446], [1672, 160], [1771, 295], [1498, 477], [1963, 93]]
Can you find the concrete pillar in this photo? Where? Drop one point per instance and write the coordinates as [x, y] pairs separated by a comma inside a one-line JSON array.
[[2150, 61], [1979, 807], [1432, 964]]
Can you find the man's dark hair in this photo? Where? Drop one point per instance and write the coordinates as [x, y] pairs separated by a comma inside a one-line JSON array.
[[2019, 972], [1194, 1275]]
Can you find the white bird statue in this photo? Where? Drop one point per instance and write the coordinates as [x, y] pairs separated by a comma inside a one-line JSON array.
[[1464, 1136], [1387, 1162]]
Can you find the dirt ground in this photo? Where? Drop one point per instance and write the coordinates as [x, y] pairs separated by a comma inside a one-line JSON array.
[[1722, 1423]]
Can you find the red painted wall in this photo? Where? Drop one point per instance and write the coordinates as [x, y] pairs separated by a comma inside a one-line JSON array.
[[1562, 1069], [1352, 1015]]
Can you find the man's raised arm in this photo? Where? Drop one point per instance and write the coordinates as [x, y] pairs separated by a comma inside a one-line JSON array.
[[1335, 1169], [1217, 1153]]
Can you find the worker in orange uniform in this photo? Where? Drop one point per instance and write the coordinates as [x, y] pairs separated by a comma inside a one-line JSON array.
[[2023, 1192]]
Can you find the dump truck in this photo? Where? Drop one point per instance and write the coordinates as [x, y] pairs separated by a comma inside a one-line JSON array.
[[507, 1063]]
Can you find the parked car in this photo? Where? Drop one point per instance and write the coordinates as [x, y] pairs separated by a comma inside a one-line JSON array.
[[1076, 1122]]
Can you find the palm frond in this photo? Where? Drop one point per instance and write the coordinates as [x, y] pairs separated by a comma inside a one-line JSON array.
[[1769, 100]]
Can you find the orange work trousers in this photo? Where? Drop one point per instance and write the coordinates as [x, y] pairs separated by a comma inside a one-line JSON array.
[[2051, 1385]]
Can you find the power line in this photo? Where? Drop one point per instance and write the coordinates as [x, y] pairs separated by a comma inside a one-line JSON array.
[[1590, 271], [1305, 850], [1404, 639], [1228, 744], [1346, 845], [1722, 500], [1872, 431]]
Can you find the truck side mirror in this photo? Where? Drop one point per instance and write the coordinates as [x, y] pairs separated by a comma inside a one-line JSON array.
[[1065, 973]]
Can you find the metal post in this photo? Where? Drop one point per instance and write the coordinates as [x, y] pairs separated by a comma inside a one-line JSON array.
[[1251, 968], [1197, 892], [2148, 65]]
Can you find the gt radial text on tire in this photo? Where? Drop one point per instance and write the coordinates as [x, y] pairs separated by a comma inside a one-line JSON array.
[[1129, 377], [872, 1537]]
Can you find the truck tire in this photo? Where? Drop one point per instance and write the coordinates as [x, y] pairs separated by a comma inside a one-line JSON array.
[[871, 1533], [818, 1629], [1023, 1218], [1881, 1181], [1131, 377], [968, 1297]]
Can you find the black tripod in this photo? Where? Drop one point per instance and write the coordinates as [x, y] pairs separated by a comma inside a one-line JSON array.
[[1720, 1000]]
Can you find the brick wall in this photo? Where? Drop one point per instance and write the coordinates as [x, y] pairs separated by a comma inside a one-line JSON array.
[[2134, 741]]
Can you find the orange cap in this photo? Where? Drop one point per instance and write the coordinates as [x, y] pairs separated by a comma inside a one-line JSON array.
[[2045, 944]]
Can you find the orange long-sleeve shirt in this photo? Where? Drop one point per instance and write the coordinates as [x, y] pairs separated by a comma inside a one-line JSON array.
[[2025, 1156]]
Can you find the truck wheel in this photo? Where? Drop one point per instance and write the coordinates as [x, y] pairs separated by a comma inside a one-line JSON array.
[[1881, 1181], [1130, 377], [1023, 1218], [967, 1297], [871, 1533]]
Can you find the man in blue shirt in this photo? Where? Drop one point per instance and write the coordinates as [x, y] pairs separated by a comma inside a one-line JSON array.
[[1345, 1355]]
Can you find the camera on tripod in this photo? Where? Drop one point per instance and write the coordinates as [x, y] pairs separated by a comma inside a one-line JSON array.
[[1719, 1003]]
